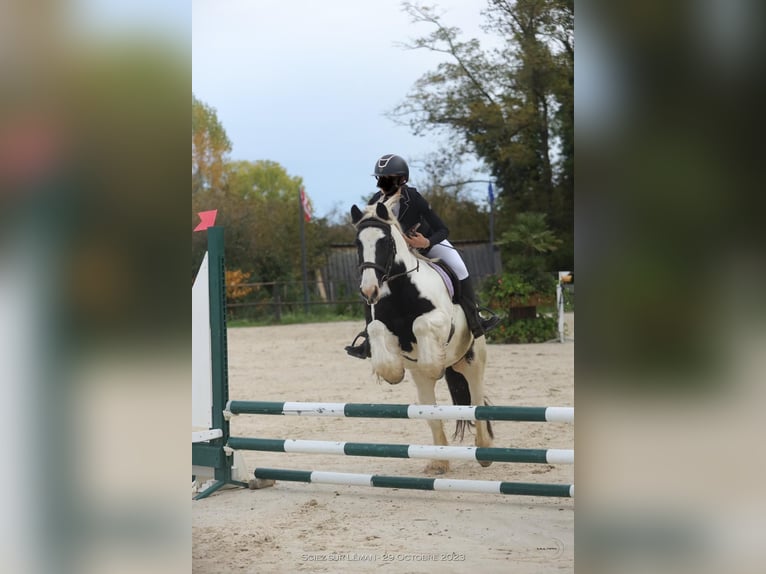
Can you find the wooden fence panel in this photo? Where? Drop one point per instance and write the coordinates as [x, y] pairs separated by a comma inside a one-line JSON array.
[[342, 263], [337, 283]]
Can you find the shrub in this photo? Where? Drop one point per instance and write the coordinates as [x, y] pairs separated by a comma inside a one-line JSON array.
[[236, 282], [514, 290], [541, 329]]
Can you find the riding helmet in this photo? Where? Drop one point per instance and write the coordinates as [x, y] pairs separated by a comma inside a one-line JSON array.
[[391, 164]]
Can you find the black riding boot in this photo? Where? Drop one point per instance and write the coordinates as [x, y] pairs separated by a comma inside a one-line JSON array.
[[362, 350], [476, 323]]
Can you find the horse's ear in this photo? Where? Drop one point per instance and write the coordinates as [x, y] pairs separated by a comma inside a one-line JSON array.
[[382, 211], [356, 214]]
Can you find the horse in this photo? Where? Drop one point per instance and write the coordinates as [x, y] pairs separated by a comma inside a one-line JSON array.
[[416, 325]]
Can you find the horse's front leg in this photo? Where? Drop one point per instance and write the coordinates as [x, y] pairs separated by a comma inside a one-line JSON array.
[[385, 353], [427, 396], [431, 332]]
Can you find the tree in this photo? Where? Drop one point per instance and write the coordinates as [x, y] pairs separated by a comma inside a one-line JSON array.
[[210, 145], [258, 203], [264, 226], [511, 107], [524, 247], [261, 180], [444, 188], [541, 34]]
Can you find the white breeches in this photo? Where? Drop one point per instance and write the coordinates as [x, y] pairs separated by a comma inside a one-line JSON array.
[[450, 256]]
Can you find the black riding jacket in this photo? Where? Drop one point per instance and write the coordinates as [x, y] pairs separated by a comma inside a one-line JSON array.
[[414, 209]]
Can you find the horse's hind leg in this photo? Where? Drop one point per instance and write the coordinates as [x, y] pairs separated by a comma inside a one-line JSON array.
[[471, 370], [427, 396]]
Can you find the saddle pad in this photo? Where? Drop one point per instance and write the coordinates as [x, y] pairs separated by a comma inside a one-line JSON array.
[[445, 277]]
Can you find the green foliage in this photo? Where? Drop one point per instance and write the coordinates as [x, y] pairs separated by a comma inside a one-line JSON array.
[[463, 217], [439, 182], [524, 247], [541, 329], [513, 289], [258, 203], [210, 145], [531, 235], [526, 283], [512, 107], [261, 180], [260, 209]]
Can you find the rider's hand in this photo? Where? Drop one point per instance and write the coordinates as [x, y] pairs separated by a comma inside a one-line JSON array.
[[417, 240]]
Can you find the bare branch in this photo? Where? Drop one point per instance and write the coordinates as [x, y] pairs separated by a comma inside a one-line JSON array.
[[425, 14]]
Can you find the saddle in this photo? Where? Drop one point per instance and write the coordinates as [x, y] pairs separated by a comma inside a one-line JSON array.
[[448, 276]]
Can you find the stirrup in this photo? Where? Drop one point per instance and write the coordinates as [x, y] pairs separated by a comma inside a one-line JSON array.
[[362, 350], [490, 322]]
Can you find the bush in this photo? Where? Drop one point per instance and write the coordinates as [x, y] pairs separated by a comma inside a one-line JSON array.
[[236, 284], [541, 329], [513, 289]]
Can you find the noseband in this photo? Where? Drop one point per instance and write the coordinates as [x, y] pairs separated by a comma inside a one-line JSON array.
[[385, 272]]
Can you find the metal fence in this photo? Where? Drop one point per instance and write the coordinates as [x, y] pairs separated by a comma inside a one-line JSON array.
[[334, 289], [274, 299]]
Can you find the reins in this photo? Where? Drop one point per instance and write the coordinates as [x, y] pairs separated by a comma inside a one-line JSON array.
[[403, 273]]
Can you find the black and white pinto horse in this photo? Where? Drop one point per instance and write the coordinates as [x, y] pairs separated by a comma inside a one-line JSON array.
[[416, 325]]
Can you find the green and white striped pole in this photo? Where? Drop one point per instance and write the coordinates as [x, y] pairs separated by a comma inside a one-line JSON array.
[[393, 411], [415, 483], [534, 456]]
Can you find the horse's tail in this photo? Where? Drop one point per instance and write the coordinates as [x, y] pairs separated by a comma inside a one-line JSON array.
[[461, 395]]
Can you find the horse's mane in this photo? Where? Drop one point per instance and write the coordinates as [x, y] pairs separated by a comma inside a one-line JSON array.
[[419, 255], [369, 213]]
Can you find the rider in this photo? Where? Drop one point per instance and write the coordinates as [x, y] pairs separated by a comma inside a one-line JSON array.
[[426, 232]]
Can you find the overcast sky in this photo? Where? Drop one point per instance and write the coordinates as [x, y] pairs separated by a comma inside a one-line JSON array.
[[306, 84]]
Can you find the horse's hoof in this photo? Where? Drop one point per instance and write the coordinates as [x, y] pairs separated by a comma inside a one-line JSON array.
[[440, 467], [394, 379], [485, 463]]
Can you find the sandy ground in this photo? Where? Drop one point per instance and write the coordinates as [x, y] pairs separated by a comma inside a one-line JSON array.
[[299, 527]]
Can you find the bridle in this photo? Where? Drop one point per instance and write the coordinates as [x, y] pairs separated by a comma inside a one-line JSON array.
[[385, 272]]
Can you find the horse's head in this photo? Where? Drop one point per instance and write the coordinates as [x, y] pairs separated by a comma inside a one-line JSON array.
[[376, 248]]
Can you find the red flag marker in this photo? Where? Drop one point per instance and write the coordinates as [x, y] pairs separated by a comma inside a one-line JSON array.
[[206, 219], [306, 203]]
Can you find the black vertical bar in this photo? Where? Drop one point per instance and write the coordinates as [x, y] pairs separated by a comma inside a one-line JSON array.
[[303, 253], [492, 235]]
